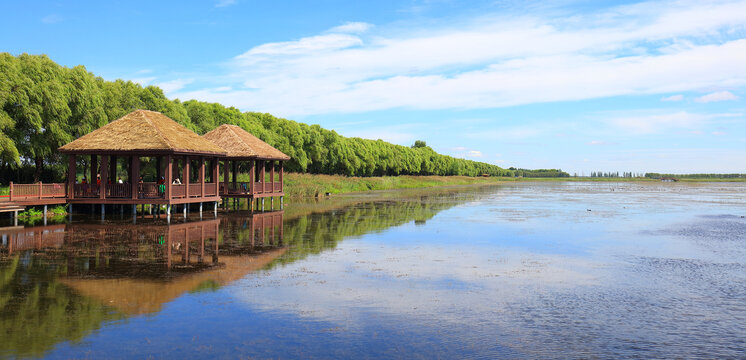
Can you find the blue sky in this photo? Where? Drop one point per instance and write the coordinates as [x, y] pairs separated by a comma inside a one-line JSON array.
[[578, 85]]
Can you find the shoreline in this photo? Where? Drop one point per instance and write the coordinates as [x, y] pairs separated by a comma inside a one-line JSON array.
[[318, 185]]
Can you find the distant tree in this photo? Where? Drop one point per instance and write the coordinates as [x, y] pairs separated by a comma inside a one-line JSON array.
[[419, 144]]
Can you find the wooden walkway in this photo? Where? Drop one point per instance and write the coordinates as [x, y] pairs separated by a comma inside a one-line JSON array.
[[7, 206]]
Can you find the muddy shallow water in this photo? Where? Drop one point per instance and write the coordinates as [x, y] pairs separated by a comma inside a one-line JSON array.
[[540, 270]]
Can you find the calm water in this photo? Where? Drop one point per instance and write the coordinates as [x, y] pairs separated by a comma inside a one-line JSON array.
[[539, 270]]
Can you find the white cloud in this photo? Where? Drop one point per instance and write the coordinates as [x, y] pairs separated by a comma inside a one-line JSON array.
[[495, 61], [673, 98], [597, 142], [224, 3], [648, 124], [169, 87], [351, 27], [144, 81], [52, 19], [465, 152], [716, 96]]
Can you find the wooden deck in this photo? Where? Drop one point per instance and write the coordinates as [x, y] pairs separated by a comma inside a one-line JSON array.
[[22, 195], [249, 190], [7, 206], [145, 193]]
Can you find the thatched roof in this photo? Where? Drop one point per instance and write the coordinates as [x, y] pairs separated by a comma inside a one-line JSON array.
[[142, 130], [238, 143], [143, 296]]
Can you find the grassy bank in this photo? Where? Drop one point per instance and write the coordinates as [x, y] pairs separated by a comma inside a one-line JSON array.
[[308, 185]]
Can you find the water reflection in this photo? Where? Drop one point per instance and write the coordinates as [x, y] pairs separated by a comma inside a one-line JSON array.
[[80, 276], [520, 270], [61, 282]]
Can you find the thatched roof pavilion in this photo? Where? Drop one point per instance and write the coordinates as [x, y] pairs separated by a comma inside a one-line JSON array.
[[242, 146], [142, 131], [149, 134]]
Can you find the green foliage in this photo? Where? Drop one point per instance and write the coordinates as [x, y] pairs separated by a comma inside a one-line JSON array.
[[419, 144], [695, 176], [539, 173], [44, 105], [37, 311], [31, 212], [307, 185], [316, 232]]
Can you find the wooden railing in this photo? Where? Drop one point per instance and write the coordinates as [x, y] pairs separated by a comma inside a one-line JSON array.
[[238, 188], [178, 191], [25, 192], [86, 190], [151, 190], [118, 191], [195, 190], [243, 188], [211, 189]]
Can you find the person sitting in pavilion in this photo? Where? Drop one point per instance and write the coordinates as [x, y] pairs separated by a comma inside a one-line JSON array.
[[162, 185]]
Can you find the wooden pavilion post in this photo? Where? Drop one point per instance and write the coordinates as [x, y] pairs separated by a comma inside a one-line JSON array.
[[272, 175], [214, 165], [226, 176], [135, 175], [282, 171], [169, 172], [104, 176], [235, 171], [187, 171], [71, 176], [202, 176], [262, 176], [252, 176]]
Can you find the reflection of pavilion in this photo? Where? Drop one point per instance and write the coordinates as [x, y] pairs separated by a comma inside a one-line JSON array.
[[137, 268]]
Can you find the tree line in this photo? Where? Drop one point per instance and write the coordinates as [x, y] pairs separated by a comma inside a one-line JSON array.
[[695, 176], [44, 105]]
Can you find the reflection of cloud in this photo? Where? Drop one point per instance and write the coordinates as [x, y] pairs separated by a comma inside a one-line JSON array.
[[716, 96], [418, 281]]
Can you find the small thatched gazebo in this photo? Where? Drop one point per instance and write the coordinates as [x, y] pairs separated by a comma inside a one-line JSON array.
[[154, 136], [242, 146]]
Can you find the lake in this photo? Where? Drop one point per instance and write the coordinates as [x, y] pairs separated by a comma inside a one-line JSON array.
[[517, 270]]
